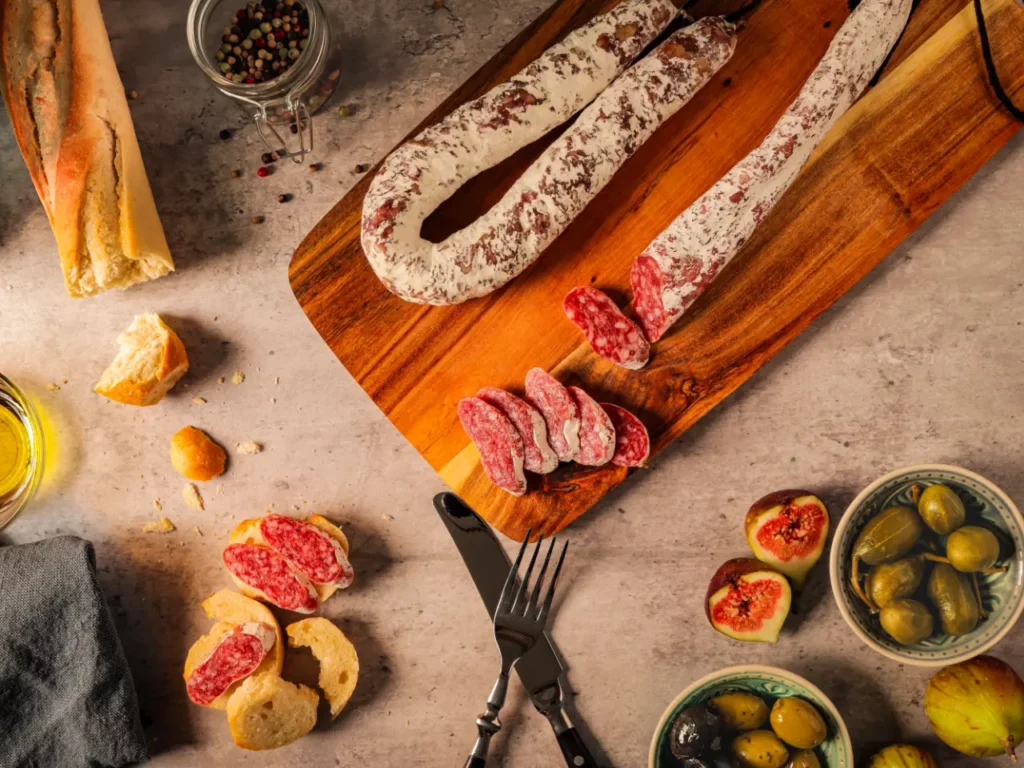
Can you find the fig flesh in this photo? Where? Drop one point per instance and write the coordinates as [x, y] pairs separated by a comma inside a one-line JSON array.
[[888, 536], [940, 508], [891, 581], [953, 596], [977, 707], [787, 530], [759, 749], [902, 756], [972, 549], [740, 711], [798, 723], [747, 600], [908, 622]]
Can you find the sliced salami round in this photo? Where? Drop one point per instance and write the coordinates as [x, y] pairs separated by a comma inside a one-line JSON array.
[[632, 443], [560, 412], [540, 456], [597, 433], [237, 655], [502, 452], [268, 574], [610, 333], [308, 549]]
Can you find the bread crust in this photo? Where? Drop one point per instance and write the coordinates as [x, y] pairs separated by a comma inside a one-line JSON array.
[[196, 456], [71, 121], [339, 663], [132, 388]]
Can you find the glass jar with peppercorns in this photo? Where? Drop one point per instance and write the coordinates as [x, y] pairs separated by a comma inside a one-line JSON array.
[[273, 57]]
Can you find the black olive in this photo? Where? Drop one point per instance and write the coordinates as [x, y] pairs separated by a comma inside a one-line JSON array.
[[694, 731]]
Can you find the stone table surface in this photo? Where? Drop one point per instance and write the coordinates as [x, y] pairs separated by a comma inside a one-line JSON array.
[[922, 362]]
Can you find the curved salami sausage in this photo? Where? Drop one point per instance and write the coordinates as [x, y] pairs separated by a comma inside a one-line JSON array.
[[498, 246], [270, 576], [597, 433], [308, 549], [560, 412], [540, 456], [682, 261], [501, 448], [237, 655], [632, 443], [611, 334]]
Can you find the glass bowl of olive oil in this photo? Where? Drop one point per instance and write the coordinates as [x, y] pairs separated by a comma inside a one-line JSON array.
[[21, 450]]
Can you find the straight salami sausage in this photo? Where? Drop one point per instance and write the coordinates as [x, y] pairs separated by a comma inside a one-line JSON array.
[[554, 189], [270, 576], [682, 261], [597, 434], [632, 443], [540, 456], [237, 655], [611, 334], [308, 549], [560, 412], [502, 452]]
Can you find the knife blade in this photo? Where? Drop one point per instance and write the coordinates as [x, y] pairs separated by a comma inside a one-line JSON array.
[[539, 670]]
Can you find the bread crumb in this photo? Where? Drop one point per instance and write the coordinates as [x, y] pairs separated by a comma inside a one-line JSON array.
[[163, 525], [199, 400], [10, 287], [273, 400], [220, 380], [215, 318], [197, 530], [277, 379], [386, 516], [295, 506], [157, 505], [237, 377], [52, 387], [249, 448], [220, 489], [192, 497], [64, 381]]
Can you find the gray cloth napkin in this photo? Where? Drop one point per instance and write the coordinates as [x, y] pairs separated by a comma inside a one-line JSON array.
[[66, 693]]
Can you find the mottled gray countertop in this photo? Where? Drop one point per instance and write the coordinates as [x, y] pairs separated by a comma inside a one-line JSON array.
[[921, 362]]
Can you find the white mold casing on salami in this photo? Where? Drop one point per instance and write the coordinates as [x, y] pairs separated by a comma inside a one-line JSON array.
[[561, 414], [551, 192], [540, 457], [681, 262]]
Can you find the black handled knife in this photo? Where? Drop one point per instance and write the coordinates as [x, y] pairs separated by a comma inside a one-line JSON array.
[[540, 669]]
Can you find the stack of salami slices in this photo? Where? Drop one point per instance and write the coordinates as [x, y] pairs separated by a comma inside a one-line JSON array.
[[552, 424], [292, 564]]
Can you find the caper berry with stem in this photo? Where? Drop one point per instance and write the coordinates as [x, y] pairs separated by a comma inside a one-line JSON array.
[[939, 507], [887, 537]]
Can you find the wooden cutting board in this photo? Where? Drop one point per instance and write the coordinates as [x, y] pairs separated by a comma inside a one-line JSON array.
[[927, 127]]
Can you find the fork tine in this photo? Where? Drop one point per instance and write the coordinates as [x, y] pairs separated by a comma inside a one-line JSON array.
[[519, 604], [543, 615], [513, 571], [532, 605]]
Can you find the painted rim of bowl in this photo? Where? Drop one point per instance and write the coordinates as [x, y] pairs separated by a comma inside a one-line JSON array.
[[833, 565], [751, 670]]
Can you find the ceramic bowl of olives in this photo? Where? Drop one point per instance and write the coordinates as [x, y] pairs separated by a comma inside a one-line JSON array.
[[751, 717], [927, 565]]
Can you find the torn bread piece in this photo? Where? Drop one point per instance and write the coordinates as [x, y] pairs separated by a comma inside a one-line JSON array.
[[231, 609], [196, 456], [268, 712], [339, 664], [150, 360]]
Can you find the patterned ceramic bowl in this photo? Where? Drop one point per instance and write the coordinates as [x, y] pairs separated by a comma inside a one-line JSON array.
[[1002, 594], [770, 683]]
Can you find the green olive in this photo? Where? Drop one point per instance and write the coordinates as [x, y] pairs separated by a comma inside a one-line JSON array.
[[972, 549], [941, 509], [798, 723], [953, 596], [891, 581], [740, 711], [908, 622], [805, 758], [759, 749]]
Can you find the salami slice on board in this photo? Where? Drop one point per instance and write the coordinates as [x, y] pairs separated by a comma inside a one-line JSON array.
[[267, 573], [237, 655], [610, 333], [632, 443], [501, 448], [560, 412], [597, 433], [540, 456], [308, 549]]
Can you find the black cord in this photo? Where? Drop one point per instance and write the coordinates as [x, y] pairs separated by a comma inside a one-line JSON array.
[[738, 14], [990, 65]]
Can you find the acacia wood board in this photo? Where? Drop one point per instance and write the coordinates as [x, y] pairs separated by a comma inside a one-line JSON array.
[[928, 125]]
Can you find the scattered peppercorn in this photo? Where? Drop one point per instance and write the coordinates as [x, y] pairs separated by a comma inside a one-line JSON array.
[[438, 5], [257, 219], [263, 28], [133, 94], [284, 198], [362, 168], [236, 173], [225, 135], [263, 171], [294, 128], [268, 158], [314, 167]]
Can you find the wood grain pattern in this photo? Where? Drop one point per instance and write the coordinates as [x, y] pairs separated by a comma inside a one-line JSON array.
[[914, 139]]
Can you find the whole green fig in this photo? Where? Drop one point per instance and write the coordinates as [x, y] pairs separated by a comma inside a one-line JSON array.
[[902, 756]]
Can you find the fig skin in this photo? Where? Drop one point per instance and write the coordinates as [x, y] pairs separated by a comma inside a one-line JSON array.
[[784, 504], [902, 756], [731, 574], [977, 707]]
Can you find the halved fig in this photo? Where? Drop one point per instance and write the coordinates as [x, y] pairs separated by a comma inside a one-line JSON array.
[[787, 530], [748, 601]]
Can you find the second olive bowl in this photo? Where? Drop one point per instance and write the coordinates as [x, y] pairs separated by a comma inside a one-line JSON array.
[[1002, 594]]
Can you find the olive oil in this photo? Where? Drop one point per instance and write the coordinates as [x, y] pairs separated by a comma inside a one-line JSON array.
[[15, 453]]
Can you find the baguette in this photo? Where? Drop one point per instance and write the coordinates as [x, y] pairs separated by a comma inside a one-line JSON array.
[[71, 120], [150, 360]]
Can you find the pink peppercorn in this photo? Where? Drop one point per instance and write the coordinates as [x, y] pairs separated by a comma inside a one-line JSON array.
[[262, 171]]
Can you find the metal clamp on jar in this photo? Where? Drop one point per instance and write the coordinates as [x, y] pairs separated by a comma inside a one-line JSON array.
[[284, 75]]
